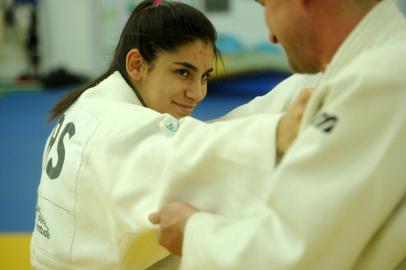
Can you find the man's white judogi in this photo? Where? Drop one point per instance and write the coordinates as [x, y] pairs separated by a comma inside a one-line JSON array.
[[337, 200]]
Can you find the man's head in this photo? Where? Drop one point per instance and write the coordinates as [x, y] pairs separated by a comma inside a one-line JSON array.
[[311, 31]]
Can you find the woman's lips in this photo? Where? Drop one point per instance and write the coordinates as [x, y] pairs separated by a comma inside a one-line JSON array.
[[184, 107]]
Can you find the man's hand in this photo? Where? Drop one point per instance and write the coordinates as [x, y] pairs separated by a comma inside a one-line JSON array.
[[290, 122], [172, 220]]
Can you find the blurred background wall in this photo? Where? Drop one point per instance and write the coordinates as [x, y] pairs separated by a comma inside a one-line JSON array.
[[80, 35], [87, 31]]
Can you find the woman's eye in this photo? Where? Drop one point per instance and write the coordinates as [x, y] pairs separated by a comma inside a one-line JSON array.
[[206, 76], [183, 72]]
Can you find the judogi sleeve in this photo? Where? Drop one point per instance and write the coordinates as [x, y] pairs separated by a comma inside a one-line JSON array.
[[332, 192]]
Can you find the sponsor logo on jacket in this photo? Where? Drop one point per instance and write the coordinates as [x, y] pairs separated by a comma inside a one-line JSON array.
[[325, 122], [41, 225]]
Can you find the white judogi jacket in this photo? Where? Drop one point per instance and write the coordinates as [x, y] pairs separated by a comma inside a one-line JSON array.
[[110, 162], [337, 200]]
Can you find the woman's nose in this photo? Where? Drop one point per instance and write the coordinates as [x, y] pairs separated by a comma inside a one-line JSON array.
[[197, 92]]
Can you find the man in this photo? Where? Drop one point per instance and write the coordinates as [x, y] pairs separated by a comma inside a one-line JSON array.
[[338, 197]]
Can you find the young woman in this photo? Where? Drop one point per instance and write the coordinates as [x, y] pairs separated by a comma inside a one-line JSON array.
[[165, 55], [161, 65]]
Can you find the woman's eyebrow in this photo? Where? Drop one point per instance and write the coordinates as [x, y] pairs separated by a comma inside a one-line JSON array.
[[192, 67], [187, 65]]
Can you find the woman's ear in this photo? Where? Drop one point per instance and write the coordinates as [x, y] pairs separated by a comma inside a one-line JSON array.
[[135, 65]]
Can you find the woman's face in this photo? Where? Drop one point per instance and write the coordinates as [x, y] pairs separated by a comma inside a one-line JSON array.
[[177, 81]]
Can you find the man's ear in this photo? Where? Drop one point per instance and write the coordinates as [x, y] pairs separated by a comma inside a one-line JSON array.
[[135, 65]]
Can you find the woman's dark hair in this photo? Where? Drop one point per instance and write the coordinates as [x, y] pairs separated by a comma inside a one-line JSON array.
[[153, 27]]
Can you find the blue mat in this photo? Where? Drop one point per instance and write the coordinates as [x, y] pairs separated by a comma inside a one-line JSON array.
[[23, 132]]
